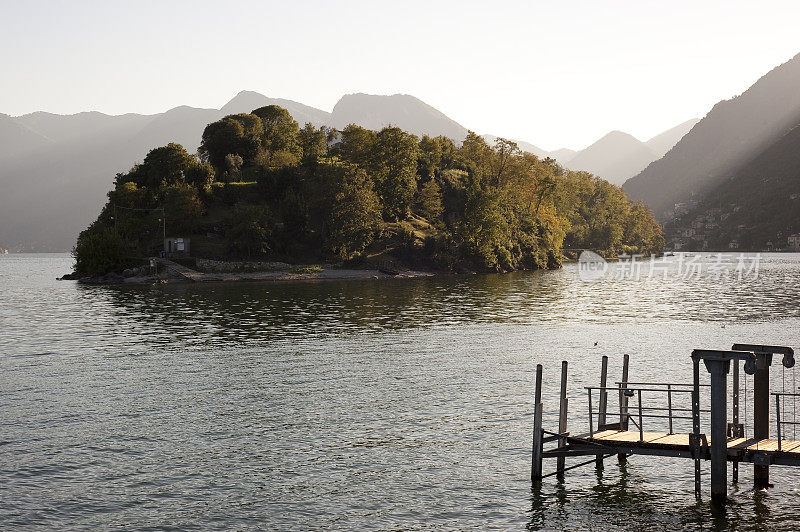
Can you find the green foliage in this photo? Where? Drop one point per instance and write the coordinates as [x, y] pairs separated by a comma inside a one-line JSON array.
[[429, 202], [354, 218], [395, 166], [279, 142], [101, 250], [182, 206], [249, 230], [299, 195], [313, 142]]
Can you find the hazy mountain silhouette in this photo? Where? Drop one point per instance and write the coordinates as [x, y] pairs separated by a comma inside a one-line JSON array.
[[401, 110], [16, 137], [731, 134], [247, 101], [663, 142], [615, 157], [524, 146], [55, 169]]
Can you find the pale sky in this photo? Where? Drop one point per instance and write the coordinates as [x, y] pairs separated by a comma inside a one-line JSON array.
[[554, 73]]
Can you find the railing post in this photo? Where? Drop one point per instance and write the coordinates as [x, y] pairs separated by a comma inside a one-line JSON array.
[[591, 426], [641, 424], [536, 455], [669, 406], [778, 418], [562, 416]]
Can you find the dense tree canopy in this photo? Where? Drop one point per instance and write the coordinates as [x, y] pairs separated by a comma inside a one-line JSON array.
[[263, 186]]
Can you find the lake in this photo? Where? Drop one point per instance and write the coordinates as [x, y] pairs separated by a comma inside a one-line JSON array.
[[359, 405]]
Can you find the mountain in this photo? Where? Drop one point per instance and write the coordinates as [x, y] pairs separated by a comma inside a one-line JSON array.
[[54, 169], [615, 157], [247, 101], [16, 137], [401, 110], [759, 204], [524, 146], [663, 142], [730, 135], [563, 155]]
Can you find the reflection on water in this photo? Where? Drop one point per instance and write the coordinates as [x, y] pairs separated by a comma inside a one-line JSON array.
[[357, 404]]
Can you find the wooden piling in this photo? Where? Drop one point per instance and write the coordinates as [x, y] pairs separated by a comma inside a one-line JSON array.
[[761, 414], [562, 416], [623, 402], [603, 404], [696, 423], [735, 416], [536, 455], [719, 422]]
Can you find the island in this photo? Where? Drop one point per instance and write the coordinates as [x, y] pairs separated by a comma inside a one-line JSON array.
[[262, 190]]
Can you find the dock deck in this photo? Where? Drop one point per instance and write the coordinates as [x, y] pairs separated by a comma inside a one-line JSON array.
[[663, 444]]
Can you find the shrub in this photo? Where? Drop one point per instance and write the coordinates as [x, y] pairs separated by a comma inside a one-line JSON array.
[[101, 250]]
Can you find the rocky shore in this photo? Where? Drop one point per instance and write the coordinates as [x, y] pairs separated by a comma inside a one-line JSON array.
[[170, 272]]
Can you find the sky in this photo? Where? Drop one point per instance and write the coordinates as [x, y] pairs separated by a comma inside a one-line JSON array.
[[553, 73]]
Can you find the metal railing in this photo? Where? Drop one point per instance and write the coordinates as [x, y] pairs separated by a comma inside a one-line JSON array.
[[779, 423], [627, 390]]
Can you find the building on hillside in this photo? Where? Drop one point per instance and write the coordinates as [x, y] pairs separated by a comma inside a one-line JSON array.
[[176, 246], [794, 242], [733, 244]]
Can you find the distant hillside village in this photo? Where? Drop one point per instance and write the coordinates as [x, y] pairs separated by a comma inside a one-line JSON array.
[[726, 228]]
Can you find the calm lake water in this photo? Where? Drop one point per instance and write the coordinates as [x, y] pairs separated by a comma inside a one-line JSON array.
[[356, 405]]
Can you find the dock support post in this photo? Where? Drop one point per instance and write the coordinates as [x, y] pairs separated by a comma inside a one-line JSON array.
[[603, 405], [536, 455], [562, 416], [761, 414], [623, 403], [719, 422], [696, 423], [735, 421]]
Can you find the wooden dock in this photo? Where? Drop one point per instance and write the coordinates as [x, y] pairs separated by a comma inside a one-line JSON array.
[[721, 439], [662, 444]]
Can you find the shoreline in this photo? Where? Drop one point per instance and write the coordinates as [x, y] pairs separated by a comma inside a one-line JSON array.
[[174, 273]]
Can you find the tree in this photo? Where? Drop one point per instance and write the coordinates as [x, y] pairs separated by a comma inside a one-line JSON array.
[[101, 250], [249, 230], [313, 142], [182, 207], [280, 145], [167, 164], [357, 146], [354, 218], [396, 154], [219, 139], [233, 167], [430, 201]]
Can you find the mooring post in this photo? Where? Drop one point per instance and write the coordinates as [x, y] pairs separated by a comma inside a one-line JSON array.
[[603, 406], [562, 416], [763, 360], [735, 421], [695, 441], [623, 402], [536, 462], [718, 363], [719, 423], [761, 414]]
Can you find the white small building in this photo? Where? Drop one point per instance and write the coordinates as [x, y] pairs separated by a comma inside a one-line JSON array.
[[794, 242], [176, 246]]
